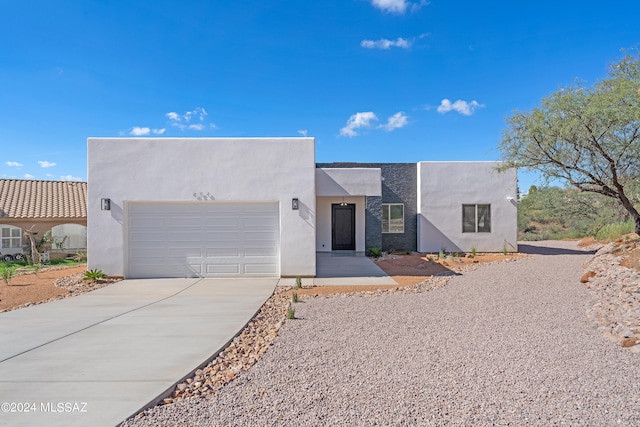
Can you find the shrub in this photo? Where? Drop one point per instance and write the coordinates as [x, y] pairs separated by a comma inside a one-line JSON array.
[[298, 282], [614, 231], [294, 297], [375, 252], [93, 275], [473, 251], [7, 274], [291, 313], [80, 257], [36, 268]]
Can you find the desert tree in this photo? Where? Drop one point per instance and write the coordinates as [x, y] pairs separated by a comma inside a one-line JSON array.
[[586, 136]]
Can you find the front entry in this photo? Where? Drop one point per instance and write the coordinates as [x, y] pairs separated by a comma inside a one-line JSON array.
[[343, 227]]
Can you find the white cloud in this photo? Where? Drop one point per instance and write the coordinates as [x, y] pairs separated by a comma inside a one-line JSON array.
[[397, 6], [463, 107], [70, 178], [139, 131], [357, 121], [14, 164], [303, 132], [143, 131], [183, 121], [397, 121], [46, 164], [29, 176], [49, 175], [386, 43]]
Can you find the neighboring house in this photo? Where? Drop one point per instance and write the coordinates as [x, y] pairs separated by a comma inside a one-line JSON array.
[[220, 207], [40, 206]]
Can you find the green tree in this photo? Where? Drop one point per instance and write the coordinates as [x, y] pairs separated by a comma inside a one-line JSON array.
[[588, 137]]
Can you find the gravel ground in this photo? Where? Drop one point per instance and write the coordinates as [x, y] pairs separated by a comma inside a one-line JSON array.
[[507, 344]]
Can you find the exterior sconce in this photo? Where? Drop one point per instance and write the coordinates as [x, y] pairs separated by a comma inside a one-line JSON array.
[[295, 204], [105, 204], [343, 203]]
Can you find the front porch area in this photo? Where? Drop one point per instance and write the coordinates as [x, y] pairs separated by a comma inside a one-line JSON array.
[[344, 268]]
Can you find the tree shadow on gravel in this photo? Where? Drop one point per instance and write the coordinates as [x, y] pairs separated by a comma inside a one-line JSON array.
[[545, 250]]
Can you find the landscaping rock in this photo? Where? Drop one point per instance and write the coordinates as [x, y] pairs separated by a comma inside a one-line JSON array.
[[615, 303]]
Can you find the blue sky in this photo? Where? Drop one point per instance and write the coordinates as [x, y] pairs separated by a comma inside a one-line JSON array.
[[371, 80]]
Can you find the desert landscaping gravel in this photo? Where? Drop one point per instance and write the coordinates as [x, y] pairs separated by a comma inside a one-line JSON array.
[[506, 344]]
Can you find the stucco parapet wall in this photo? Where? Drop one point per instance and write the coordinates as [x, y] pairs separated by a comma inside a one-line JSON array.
[[348, 182]]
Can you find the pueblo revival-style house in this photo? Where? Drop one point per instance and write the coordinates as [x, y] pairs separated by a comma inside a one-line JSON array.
[[224, 207]]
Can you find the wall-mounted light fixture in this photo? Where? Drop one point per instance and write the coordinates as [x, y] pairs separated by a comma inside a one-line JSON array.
[[295, 205], [105, 204], [343, 203]]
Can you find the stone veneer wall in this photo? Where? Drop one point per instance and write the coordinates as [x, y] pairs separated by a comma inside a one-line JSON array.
[[373, 222], [399, 185]]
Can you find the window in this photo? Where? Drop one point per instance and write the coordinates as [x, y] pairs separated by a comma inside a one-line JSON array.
[[476, 218], [392, 218], [11, 237]]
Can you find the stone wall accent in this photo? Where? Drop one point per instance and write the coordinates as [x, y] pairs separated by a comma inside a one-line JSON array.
[[373, 222]]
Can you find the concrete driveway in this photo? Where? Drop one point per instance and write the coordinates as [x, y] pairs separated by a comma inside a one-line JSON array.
[[98, 358]]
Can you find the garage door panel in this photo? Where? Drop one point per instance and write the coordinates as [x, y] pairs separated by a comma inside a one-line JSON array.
[[166, 270], [148, 237], [259, 236], [184, 253], [228, 269], [176, 236], [258, 221], [223, 252], [203, 239], [260, 252], [260, 269], [222, 236], [221, 217], [148, 252]]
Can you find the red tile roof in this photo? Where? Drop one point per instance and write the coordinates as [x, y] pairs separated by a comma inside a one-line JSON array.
[[22, 198]]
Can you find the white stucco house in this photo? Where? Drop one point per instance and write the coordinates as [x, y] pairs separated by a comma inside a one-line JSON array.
[[225, 207]]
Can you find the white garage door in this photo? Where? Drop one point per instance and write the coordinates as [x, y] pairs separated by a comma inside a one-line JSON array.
[[203, 239]]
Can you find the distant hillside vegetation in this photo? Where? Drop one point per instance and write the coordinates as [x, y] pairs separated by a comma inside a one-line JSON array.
[[553, 213]]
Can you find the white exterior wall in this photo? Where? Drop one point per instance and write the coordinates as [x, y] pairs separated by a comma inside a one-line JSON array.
[[206, 170], [323, 222], [348, 182], [443, 187]]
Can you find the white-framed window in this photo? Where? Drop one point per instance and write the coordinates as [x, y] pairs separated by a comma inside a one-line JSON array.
[[476, 218], [10, 236], [392, 218]]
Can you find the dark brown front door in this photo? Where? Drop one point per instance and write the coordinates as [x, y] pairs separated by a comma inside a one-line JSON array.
[[343, 227]]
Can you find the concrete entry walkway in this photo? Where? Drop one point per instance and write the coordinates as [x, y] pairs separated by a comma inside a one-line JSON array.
[[345, 269], [98, 358]]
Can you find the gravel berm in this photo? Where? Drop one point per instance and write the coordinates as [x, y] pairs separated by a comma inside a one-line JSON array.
[[506, 344]]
